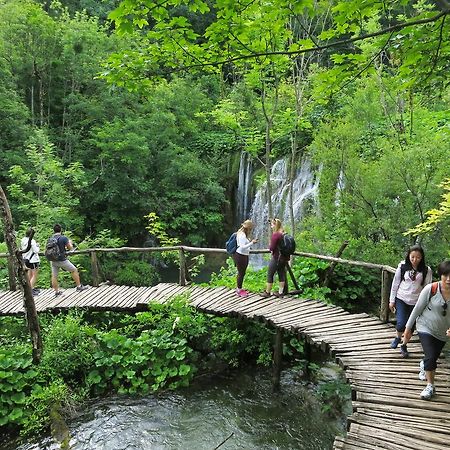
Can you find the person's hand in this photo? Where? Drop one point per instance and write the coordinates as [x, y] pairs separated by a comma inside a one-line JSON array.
[[448, 332], [407, 335], [254, 241], [392, 307]]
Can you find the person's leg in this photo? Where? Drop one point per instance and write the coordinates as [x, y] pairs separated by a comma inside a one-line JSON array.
[[281, 270], [33, 277], [270, 274], [55, 270], [76, 277], [69, 267], [241, 262], [432, 348]]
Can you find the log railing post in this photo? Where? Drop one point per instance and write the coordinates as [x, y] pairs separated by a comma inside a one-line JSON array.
[[182, 280], [95, 269], [11, 274], [386, 282]]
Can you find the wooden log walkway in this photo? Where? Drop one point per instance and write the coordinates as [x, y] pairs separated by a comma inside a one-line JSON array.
[[387, 410]]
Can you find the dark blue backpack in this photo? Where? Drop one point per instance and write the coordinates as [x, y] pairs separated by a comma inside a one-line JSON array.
[[231, 244]]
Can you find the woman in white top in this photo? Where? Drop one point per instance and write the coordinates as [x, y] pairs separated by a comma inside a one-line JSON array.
[[241, 255], [411, 276], [31, 259]]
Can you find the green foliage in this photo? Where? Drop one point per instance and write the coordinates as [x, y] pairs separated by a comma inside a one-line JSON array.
[[68, 349], [334, 395], [132, 273], [153, 360], [17, 378], [46, 191]]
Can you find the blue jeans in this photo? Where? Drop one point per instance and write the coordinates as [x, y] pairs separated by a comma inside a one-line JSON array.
[[432, 348], [403, 313]]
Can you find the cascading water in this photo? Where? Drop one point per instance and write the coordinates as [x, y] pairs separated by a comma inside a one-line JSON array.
[[243, 189], [305, 186]]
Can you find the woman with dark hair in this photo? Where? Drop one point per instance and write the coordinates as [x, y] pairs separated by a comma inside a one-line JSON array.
[[31, 260], [278, 262], [432, 318], [411, 276], [240, 257]]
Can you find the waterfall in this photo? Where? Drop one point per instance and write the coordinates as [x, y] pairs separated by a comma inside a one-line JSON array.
[[243, 189], [305, 186], [340, 186]]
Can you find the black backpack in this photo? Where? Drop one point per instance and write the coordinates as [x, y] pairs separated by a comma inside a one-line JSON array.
[[231, 244], [286, 245], [52, 250]]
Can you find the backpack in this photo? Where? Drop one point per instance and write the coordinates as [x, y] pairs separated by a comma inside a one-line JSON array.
[[287, 245], [433, 290], [52, 250], [231, 244]]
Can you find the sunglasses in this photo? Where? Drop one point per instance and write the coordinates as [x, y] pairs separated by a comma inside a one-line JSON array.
[[444, 307]]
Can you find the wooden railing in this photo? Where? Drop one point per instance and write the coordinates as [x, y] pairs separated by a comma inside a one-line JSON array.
[[387, 272]]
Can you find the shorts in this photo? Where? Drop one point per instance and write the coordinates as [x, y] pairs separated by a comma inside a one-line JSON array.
[[30, 265], [65, 265]]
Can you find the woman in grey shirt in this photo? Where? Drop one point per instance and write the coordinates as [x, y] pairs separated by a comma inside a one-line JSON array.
[[432, 317]]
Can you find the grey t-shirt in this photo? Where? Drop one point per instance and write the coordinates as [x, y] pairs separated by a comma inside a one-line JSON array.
[[429, 316]]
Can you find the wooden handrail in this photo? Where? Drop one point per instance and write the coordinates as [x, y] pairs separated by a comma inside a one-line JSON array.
[[219, 250], [386, 271]]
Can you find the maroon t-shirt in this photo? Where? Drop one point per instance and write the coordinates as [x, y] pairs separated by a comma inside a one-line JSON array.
[[273, 247]]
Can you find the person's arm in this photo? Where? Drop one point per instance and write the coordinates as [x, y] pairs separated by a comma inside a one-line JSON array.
[[394, 288], [274, 241], [34, 247], [429, 277], [67, 243], [243, 242], [421, 304]]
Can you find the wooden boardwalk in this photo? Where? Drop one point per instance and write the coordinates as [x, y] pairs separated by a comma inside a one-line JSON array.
[[387, 410]]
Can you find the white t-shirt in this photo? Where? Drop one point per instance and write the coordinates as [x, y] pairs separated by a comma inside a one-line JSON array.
[[243, 243], [33, 254], [408, 290]]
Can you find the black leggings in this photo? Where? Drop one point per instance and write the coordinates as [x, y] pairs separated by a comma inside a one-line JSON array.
[[241, 262], [432, 348], [276, 265]]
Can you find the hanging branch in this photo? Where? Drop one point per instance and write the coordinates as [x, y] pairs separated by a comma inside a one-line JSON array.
[[21, 275]]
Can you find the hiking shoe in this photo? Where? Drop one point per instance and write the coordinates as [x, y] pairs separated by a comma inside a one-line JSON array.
[[428, 392], [395, 342], [265, 294], [278, 295], [35, 291], [422, 374], [58, 293], [404, 351], [81, 287]]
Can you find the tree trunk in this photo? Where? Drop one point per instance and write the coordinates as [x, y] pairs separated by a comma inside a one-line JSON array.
[[22, 278]]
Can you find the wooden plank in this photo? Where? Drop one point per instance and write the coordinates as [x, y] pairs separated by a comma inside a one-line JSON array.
[[393, 437]]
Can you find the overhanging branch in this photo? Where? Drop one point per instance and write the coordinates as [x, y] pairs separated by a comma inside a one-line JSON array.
[[316, 48]]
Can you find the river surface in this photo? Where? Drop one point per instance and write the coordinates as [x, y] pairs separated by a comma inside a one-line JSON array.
[[237, 405]]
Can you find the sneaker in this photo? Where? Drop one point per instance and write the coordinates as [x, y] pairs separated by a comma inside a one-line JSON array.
[[428, 392], [58, 293], [422, 374], [265, 294], [395, 342], [404, 351], [81, 287], [35, 291], [278, 295], [242, 293]]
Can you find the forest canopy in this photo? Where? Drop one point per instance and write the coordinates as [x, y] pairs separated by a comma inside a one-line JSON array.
[[110, 111]]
